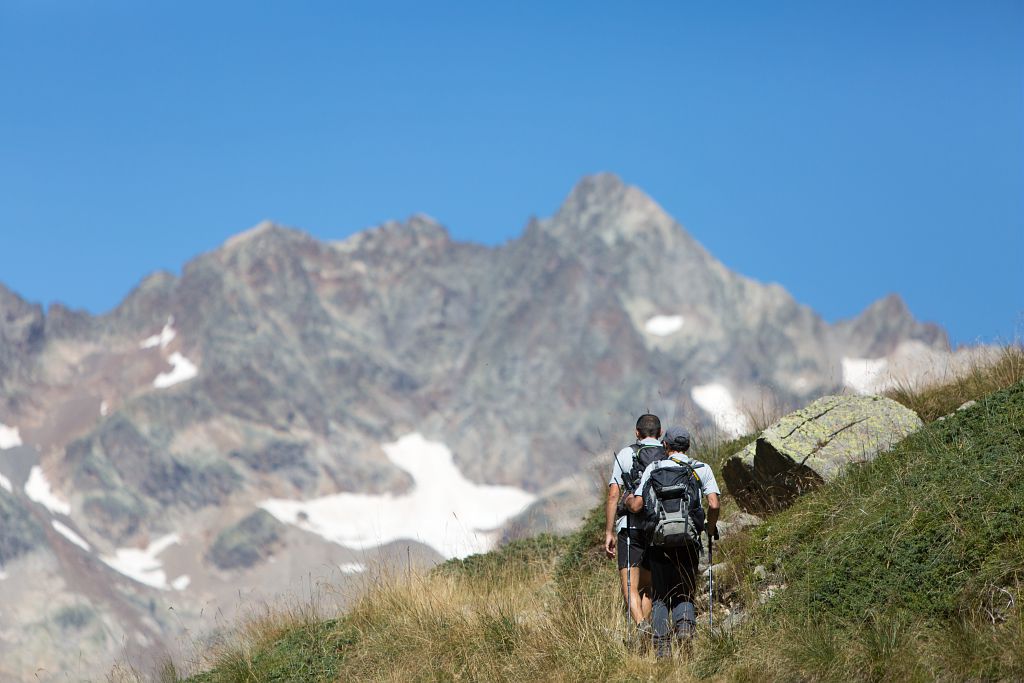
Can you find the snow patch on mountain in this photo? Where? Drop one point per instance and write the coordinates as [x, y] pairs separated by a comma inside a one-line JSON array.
[[141, 564], [352, 568], [716, 400], [9, 437], [5, 484], [181, 583], [37, 488], [165, 336], [663, 325], [443, 510], [865, 375], [182, 370], [69, 534]]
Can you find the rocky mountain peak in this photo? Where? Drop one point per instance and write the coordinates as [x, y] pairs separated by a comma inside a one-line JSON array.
[[604, 208], [419, 232], [883, 325]]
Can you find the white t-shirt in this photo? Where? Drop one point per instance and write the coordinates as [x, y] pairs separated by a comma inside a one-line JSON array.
[[623, 463]]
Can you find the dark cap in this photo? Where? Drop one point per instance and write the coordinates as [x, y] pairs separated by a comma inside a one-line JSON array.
[[676, 439]]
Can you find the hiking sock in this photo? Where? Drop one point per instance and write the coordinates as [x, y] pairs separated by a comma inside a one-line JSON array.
[[684, 619], [661, 625]]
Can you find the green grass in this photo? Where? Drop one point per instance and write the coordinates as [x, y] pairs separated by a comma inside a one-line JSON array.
[[900, 562], [310, 651]]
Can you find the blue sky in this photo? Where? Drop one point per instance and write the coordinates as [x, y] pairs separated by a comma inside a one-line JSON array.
[[844, 150]]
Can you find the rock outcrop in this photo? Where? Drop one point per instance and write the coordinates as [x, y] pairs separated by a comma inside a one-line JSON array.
[[814, 445]]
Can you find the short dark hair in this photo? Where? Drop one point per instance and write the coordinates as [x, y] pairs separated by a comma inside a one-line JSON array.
[[648, 426]]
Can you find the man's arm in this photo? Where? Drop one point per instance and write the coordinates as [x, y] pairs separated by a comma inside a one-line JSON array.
[[609, 519], [713, 509]]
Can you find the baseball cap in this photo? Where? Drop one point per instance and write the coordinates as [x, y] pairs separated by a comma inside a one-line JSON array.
[[676, 439]]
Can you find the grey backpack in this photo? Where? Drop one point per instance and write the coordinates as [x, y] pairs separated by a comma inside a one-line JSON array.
[[672, 504]]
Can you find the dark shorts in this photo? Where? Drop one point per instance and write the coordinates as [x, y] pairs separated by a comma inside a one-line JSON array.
[[632, 554]]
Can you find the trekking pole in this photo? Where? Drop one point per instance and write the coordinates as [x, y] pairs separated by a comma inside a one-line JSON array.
[[629, 582], [711, 582]]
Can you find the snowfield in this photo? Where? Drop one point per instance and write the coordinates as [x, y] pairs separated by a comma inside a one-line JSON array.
[[352, 568], [182, 370], [664, 325], [5, 484], [444, 510], [37, 488], [141, 564], [716, 400], [9, 437], [866, 375], [165, 337]]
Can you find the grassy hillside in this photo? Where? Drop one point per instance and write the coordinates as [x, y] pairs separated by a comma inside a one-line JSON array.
[[908, 568]]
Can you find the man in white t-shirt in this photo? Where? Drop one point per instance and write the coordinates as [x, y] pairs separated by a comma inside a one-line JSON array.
[[623, 538]]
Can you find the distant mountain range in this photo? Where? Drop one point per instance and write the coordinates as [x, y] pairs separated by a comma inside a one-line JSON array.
[[290, 407]]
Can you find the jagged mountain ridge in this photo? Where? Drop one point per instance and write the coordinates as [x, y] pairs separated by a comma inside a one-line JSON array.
[[525, 359]]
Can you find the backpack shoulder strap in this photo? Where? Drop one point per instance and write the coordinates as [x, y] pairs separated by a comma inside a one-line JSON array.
[[686, 465]]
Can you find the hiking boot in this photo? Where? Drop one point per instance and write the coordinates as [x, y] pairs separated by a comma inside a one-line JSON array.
[[663, 647], [644, 634]]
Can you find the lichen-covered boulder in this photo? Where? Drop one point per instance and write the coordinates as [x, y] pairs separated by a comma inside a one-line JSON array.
[[813, 445]]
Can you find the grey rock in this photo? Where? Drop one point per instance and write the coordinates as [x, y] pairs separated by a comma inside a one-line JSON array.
[[247, 542], [760, 572], [19, 530], [737, 522], [814, 445]]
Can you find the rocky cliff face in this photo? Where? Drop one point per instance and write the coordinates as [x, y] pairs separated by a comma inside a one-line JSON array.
[[138, 445]]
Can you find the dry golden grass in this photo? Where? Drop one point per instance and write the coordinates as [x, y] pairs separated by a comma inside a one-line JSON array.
[[505, 623], [983, 376]]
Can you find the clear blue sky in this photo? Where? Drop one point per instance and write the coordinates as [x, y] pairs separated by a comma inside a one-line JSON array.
[[844, 150]]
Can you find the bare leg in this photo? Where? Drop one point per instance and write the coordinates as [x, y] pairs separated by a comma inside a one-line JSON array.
[[644, 589], [635, 602]]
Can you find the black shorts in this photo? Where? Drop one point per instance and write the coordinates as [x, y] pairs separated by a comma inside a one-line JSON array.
[[632, 554]]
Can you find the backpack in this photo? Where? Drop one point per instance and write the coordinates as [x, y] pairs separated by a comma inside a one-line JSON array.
[[672, 504], [643, 455]]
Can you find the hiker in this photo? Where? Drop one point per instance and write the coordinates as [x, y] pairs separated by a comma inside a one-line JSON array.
[[669, 496], [622, 532]]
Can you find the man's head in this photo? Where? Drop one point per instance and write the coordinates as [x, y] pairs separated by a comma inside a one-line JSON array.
[[676, 440], [648, 427]]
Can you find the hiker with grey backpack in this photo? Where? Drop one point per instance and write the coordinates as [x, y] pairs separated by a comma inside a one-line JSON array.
[[668, 500]]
